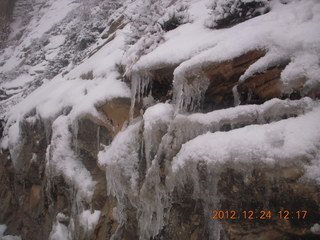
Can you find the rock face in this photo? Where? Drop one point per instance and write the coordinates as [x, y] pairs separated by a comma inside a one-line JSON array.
[[29, 197], [6, 7]]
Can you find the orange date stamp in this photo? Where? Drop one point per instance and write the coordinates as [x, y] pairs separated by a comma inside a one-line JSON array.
[[259, 215]]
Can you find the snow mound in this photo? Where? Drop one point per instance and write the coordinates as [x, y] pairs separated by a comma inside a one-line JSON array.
[[275, 143]]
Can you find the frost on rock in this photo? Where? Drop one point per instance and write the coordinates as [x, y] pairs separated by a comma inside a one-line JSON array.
[[189, 95], [156, 120], [121, 160], [169, 155], [62, 160]]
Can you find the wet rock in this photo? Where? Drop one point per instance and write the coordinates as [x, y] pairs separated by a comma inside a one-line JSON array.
[[261, 87], [223, 77]]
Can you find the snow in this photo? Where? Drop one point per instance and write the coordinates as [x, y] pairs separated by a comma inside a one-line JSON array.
[[121, 160], [243, 135], [75, 92], [7, 237], [161, 112], [15, 143], [18, 82], [272, 58], [2, 229], [55, 42], [176, 49], [278, 142], [156, 120], [44, 16], [62, 160], [59, 232], [270, 110], [185, 127], [89, 220], [50, 14], [282, 31]]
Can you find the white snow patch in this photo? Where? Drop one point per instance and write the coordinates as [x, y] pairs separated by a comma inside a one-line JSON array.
[[3, 228], [62, 160], [60, 232], [89, 220], [55, 42], [19, 82], [159, 113]]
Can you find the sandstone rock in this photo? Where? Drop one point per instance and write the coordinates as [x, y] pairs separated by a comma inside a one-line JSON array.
[[117, 112], [35, 195], [261, 87]]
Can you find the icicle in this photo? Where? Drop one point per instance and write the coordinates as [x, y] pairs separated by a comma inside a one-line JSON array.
[[154, 204], [236, 96], [140, 83], [189, 96]]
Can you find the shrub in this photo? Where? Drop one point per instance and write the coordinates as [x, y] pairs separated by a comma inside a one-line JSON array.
[[175, 17], [226, 13]]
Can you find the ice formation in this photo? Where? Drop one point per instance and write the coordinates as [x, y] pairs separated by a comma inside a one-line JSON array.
[[62, 160], [122, 159]]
